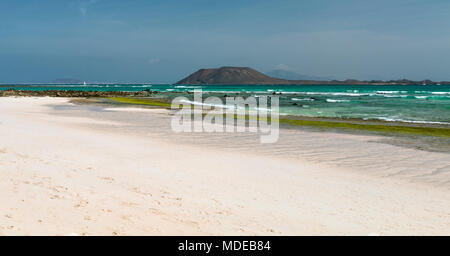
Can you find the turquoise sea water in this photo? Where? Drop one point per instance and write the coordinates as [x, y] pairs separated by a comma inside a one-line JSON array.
[[405, 103]]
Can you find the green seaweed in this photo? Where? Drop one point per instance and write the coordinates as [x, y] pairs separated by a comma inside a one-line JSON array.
[[140, 101], [428, 131]]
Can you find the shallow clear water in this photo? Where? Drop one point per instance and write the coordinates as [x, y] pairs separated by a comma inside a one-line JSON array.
[[406, 103]]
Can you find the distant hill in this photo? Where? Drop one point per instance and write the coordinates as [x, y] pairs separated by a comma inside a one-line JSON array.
[[230, 75], [67, 81], [246, 75], [290, 75]]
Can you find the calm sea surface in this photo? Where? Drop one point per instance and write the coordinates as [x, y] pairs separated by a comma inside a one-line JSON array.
[[405, 103]]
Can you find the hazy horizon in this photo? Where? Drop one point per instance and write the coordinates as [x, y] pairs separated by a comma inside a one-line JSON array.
[[165, 41]]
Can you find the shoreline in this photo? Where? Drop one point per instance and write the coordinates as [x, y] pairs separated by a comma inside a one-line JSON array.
[[163, 103], [424, 136], [430, 137]]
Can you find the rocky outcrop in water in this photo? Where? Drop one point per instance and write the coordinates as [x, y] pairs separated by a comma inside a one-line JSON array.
[[70, 93]]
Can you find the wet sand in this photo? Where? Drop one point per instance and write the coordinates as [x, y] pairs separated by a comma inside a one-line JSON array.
[[79, 169]]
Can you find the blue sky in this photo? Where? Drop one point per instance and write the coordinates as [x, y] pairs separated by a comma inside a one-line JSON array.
[[163, 41]]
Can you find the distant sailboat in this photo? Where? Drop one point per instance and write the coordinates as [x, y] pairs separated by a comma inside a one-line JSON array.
[[84, 83]]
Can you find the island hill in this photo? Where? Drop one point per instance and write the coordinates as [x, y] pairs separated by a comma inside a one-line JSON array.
[[246, 75]]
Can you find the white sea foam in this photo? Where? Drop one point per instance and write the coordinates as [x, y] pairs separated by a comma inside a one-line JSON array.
[[441, 93], [303, 99], [391, 92], [291, 92], [189, 87], [206, 104], [393, 96], [222, 106], [336, 93], [230, 92], [410, 121]]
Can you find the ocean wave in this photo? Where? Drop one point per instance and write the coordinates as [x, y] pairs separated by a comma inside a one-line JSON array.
[[188, 86], [391, 92], [410, 121], [224, 106], [441, 93], [291, 92], [229, 92], [393, 96], [388, 92], [336, 101], [304, 99], [439, 97], [206, 104], [336, 93]]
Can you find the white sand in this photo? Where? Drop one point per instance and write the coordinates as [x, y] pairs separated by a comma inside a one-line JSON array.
[[59, 176]]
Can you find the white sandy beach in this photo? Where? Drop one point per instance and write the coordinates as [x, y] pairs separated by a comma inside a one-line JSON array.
[[78, 175]]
